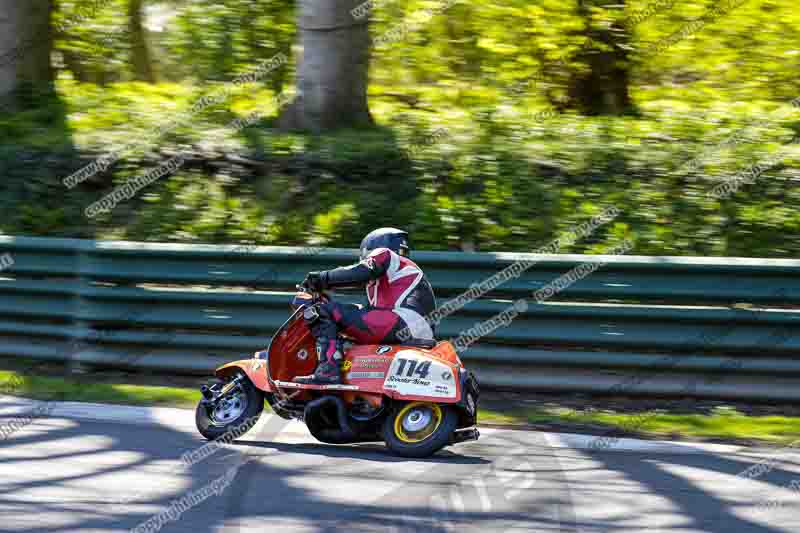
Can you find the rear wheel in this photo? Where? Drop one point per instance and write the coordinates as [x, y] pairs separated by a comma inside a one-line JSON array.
[[234, 414], [419, 429]]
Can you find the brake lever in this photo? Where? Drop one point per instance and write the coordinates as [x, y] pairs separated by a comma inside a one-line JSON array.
[[316, 296]]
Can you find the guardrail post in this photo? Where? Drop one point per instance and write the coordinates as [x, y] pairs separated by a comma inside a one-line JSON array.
[[80, 327]]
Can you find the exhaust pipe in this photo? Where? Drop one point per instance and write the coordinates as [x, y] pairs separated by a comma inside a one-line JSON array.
[[313, 417], [464, 435]]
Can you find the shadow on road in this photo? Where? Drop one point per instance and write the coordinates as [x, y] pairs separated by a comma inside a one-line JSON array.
[[363, 451], [59, 474], [700, 509]]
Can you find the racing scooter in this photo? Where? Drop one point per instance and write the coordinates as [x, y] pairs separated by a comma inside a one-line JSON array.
[[415, 397]]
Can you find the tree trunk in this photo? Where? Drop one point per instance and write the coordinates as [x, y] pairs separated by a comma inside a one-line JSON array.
[[140, 53], [332, 72], [604, 88], [26, 44]]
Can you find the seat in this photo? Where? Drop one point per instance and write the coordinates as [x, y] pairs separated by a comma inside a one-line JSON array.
[[420, 343]]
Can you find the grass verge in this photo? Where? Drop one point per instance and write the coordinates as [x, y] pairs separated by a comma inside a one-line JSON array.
[[724, 424], [80, 390]]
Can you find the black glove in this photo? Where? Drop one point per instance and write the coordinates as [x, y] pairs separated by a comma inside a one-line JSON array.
[[315, 281]]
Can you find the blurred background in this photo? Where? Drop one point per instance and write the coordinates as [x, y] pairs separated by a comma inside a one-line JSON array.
[[476, 125]]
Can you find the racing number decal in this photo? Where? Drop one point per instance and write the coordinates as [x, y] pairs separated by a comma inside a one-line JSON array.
[[414, 374], [421, 370]]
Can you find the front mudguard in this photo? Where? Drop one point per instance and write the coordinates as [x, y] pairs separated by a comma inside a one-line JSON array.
[[254, 369]]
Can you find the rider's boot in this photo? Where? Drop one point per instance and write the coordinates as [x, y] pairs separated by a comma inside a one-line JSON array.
[[327, 372]]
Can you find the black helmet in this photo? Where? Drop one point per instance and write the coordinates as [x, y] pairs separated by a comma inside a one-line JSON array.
[[391, 238]]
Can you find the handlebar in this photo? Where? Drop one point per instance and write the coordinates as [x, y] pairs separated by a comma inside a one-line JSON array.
[[316, 296]]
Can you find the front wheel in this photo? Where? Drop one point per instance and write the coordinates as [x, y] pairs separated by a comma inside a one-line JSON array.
[[419, 429], [233, 415]]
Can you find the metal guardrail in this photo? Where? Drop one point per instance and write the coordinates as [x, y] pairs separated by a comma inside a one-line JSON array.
[[715, 327]]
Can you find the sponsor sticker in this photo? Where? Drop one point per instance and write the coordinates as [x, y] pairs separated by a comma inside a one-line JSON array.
[[414, 381], [302, 354], [383, 349], [366, 375], [371, 362], [347, 365]]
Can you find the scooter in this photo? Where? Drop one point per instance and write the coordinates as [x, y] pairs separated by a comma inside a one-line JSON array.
[[416, 397]]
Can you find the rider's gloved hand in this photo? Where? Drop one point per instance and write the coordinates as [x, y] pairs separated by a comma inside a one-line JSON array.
[[314, 281]]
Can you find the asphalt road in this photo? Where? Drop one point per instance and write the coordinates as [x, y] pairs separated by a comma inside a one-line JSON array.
[[70, 470]]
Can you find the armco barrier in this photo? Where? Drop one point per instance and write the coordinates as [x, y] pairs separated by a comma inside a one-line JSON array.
[[716, 327]]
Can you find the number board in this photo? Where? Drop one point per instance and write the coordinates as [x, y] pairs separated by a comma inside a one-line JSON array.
[[416, 375]]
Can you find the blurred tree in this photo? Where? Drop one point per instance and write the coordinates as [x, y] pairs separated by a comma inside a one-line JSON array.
[[602, 87], [25, 46], [92, 40], [210, 40], [332, 73], [140, 52]]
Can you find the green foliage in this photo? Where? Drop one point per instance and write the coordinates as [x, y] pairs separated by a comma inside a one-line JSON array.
[[514, 169], [94, 44], [218, 40]]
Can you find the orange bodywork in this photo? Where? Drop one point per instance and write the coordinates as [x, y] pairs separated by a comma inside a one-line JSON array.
[[445, 351], [365, 367], [365, 360]]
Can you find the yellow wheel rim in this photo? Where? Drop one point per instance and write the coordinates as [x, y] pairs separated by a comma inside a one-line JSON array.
[[417, 421]]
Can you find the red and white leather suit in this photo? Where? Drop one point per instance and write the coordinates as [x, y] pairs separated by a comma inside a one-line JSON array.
[[399, 296]]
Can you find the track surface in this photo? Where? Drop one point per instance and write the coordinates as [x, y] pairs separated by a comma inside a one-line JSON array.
[[71, 471]]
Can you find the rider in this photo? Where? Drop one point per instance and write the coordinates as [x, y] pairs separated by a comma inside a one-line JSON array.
[[399, 295]]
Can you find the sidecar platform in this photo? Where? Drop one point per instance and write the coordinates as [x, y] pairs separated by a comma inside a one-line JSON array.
[[293, 385]]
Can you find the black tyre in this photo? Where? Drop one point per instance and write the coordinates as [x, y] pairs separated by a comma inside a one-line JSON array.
[[419, 429], [235, 414]]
